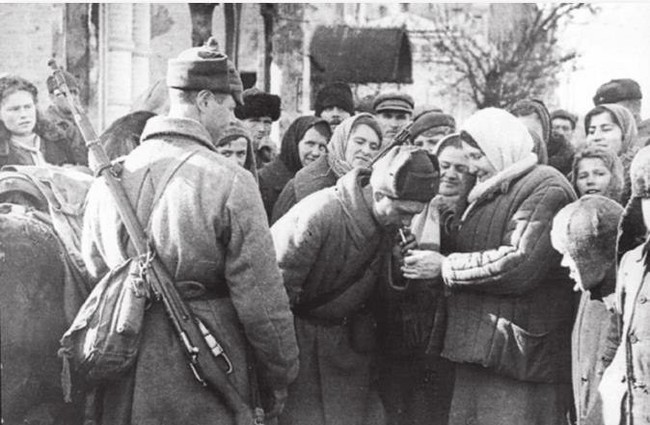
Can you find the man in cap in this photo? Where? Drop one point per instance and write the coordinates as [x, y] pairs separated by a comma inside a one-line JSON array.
[[259, 111], [429, 127], [330, 247], [625, 92], [334, 103], [560, 148], [59, 114], [393, 111], [209, 228]]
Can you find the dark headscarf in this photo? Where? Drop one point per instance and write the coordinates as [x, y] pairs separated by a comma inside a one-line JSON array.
[[534, 106], [289, 149]]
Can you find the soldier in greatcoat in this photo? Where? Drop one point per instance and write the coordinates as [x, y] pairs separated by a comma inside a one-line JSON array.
[[209, 228]]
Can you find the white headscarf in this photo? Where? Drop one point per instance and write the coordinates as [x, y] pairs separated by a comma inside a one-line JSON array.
[[506, 142], [501, 136]]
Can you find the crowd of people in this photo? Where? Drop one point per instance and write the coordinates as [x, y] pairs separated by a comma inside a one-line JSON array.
[[485, 272]]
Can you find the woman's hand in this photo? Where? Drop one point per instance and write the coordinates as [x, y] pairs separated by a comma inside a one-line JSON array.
[[421, 264]]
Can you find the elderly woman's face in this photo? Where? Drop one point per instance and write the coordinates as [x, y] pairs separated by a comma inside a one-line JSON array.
[[363, 145], [18, 113], [478, 163], [453, 171], [605, 133]]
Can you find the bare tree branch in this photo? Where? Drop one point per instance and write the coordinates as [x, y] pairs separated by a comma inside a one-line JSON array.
[[501, 71]]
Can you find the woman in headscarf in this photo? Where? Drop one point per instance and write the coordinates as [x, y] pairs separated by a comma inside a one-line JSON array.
[[355, 143], [235, 144], [597, 171], [303, 143], [612, 126], [510, 311], [535, 116], [25, 137]]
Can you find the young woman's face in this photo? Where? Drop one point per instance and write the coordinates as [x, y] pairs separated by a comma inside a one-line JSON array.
[[605, 133], [311, 146], [363, 145], [18, 113], [235, 151], [478, 163], [454, 167], [593, 177]]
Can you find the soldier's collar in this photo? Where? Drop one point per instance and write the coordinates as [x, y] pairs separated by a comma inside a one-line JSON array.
[[185, 127]]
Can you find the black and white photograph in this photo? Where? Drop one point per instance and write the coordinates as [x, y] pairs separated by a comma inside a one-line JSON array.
[[325, 213]]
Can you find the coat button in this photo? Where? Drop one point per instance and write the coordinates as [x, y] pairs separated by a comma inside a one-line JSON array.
[[633, 339], [642, 299]]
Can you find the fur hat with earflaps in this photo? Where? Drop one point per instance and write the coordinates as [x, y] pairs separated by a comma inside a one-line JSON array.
[[586, 229]]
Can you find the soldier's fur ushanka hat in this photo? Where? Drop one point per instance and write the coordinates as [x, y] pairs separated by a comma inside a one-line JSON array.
[[205, 68]]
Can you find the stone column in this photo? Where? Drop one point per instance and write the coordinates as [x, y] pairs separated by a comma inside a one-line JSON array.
[[142, 48]]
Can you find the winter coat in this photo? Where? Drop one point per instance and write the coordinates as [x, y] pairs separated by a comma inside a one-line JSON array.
[[560, 154], [207, 227], [511, 306], [275, 175], [594, 343], [328, 241], [312, 178], [625, 386], [54, 147]]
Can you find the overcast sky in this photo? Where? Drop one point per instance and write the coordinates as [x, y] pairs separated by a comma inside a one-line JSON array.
[[614, 44]]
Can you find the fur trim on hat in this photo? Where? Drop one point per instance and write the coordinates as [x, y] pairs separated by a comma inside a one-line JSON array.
[[259, 104], [586, 229], [335, 94]]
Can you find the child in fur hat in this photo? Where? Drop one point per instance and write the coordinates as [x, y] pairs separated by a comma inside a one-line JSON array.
[[625, 385], [584, 232]]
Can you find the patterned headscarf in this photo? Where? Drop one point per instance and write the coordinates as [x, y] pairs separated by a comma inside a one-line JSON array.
[[339, 143]]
